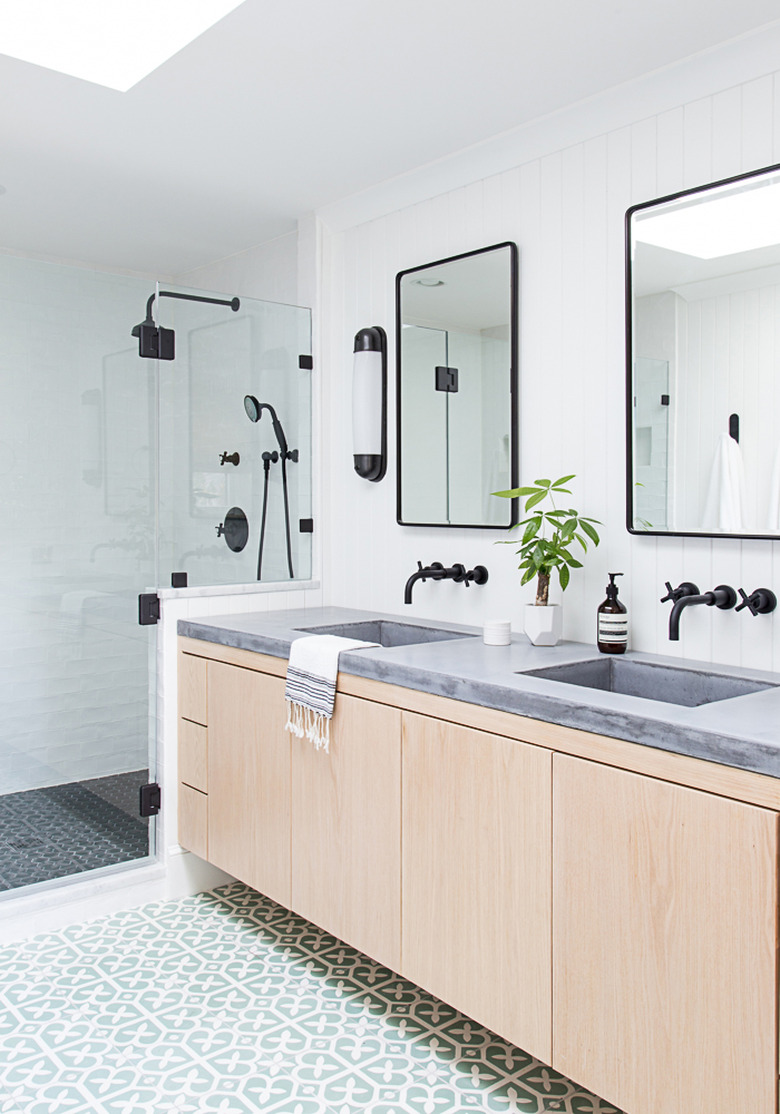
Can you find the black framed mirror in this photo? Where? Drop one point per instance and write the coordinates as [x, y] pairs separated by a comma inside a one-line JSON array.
[[456, 386], [702, 338]]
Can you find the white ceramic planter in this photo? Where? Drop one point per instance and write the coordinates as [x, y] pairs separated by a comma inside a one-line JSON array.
[[543, 625]]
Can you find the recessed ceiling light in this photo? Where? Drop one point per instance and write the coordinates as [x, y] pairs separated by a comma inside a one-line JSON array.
[[725, 225], [109, 42]]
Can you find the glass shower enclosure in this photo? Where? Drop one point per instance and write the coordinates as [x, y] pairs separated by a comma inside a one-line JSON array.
[[118, 471]]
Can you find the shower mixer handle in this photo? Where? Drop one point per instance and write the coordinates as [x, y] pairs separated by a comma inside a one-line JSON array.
[[229, 458]]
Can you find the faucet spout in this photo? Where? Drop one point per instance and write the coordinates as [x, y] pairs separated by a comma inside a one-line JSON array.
[[420, 574], [677, 610], [723, 597]]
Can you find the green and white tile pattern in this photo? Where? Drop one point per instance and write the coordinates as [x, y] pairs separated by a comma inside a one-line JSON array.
[[227, 1002]]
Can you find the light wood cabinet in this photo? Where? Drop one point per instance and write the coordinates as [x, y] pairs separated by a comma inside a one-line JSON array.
[[193, 820], [346, 829], [608, 907], [664, 943], [476, 876], [249, 779]]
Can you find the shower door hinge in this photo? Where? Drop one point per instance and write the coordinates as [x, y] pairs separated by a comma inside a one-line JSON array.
[[148, 609], [150, 799], [306, 363]]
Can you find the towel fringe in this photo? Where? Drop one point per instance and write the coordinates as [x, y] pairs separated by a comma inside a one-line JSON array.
[[303, 721]]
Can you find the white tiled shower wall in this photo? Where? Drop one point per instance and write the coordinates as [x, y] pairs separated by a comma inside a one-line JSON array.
[[562, 196]]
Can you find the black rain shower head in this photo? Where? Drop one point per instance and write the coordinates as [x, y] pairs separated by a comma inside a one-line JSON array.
[[254, 411], [157, 343]]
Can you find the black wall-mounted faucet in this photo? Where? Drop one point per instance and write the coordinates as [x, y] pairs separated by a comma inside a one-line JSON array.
[[437, 571], [687, 595]]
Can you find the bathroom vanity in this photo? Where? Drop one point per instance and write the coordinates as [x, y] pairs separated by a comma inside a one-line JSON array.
[[593, 876]]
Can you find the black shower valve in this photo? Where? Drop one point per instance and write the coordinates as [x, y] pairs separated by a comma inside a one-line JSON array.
[[229, 458], [760, 602]]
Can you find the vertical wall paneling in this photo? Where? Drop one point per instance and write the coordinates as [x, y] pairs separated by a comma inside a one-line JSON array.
[[565, 211], [757, 122], [727, 133]]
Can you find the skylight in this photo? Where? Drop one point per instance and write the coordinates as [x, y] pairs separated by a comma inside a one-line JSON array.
[[723, 226], [109, 42]]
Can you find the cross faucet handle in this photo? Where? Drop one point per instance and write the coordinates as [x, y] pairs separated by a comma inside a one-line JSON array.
[[687, 588], [759, 602]]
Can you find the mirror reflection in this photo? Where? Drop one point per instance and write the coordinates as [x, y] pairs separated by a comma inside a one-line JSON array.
[[703, 269], [456, 344]]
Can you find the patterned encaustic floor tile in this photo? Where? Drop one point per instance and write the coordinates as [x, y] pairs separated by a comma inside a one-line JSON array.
[[227, 1002]]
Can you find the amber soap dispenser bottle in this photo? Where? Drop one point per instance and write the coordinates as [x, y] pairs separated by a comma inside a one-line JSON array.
[[612, 619]]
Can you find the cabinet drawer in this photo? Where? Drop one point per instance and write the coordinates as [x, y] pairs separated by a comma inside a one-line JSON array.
[[193, 688], [193, 755], [193, 820]]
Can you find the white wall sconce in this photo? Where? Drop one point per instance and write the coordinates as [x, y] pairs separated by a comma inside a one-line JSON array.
[[369, 403]]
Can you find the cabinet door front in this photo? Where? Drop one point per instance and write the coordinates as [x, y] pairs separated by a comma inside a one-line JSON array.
[[664, 938], [249, 779], [476, 869], [347, 829]]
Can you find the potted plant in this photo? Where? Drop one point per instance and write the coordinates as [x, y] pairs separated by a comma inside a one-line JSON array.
[[546, 545]]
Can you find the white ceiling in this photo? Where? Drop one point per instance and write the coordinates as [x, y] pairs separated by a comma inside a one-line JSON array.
[[287, 105]]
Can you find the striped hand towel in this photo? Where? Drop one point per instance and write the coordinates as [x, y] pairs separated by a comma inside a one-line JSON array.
[[311, 684]]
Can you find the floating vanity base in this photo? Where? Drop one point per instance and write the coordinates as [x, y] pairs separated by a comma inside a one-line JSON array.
[[608, 907]]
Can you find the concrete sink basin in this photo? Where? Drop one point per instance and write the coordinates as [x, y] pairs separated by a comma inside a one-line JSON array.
[[386, 632], [667, 684]]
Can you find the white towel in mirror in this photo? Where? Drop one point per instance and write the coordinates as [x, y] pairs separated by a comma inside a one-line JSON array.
[[724, 502]]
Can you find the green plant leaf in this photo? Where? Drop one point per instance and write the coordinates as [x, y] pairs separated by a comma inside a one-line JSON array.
[[585, 525], [543, 483], [537, 498], [529, 574], [531, 530], [538, 556], [563, 576], [564, 480]]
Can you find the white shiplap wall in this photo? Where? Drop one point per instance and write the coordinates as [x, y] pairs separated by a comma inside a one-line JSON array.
[[565, 210]]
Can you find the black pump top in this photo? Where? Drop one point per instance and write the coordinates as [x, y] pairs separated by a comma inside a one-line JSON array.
[[612, 588]]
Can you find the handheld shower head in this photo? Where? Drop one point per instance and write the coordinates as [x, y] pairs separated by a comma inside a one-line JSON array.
[[254, 411]]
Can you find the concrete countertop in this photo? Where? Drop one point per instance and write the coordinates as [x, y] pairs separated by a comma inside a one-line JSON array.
[[743, 731]]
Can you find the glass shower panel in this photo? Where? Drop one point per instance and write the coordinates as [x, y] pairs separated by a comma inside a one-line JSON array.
[[224, 487], [77, 414]]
